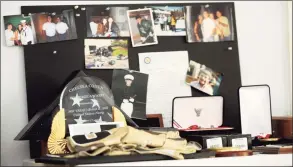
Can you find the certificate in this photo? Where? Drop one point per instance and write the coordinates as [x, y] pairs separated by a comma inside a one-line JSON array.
[[167, 73]]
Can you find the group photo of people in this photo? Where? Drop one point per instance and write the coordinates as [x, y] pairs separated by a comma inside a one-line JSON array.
[[19, 31], [169, 20], [203, 78], [107, 22], [51, 27], [141, 26], [209, 23]]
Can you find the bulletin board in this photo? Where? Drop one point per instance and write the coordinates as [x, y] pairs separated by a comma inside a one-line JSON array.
[[48, 66]]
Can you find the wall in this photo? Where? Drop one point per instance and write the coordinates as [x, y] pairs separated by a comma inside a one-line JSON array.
[[264, 58]]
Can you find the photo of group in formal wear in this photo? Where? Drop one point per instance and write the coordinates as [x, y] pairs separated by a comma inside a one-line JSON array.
[[107, 22], [169, 20], [51, 27], [209, 23], [141, 26], [19, 30], [203, 78]]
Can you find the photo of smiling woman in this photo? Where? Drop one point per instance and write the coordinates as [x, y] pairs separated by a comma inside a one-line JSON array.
[[203, 78]]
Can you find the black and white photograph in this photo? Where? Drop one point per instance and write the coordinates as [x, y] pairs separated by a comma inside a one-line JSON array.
[[203, 78], [107, 22], [141, 26], [19, 30], [209, 23], [130, 92], [51, 27], [169, 20], [106, 53]]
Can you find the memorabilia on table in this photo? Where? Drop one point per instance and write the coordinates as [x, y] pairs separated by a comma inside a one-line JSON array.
[[52, 27], [141, 27], [106, 53], [19, 30], [130, 91], [209, 23], [203, 78], [169, 20], [164, 68], [198, 113], [107, 22], [118, 141]]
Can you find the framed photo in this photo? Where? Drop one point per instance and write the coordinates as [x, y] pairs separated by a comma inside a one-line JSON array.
[[52, 27], [203, 78], [130, 92], [107, 22], [209, 22], [169, 20], [106, 53], [19, 30], [141, 27]]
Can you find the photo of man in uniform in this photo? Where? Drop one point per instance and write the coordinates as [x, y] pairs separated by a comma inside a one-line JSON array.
[[27, 37], [128, 96], [129, 90], [141, 26]]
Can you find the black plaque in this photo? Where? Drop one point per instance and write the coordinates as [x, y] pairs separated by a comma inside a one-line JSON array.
[[87, 100]]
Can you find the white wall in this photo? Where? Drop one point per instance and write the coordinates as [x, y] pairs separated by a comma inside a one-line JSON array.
[[264, 58]]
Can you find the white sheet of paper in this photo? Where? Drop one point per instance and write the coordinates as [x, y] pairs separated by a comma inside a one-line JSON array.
[[167, 73], [84, 129]]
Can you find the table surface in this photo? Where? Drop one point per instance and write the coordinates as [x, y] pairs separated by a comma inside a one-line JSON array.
[[255, 160]]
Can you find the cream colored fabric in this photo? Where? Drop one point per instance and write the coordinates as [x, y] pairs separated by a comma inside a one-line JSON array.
[[128, 140]]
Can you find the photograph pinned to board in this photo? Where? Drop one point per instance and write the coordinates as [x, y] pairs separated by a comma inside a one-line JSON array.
[[107, 22], [19, 30], [209, 22], [141, 27], [106, 53], [169, 20], [51, 27], [130, 92], [203, 78]]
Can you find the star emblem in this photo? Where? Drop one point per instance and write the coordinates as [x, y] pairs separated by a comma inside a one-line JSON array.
[[95, 103], [99, 120], [79, 120], [76, 100]]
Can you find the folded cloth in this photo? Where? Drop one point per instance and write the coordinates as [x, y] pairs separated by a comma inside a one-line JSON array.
[[127, 141]]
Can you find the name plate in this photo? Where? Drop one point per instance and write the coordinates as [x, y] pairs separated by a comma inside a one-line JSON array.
[[240, 143], [214, 142]]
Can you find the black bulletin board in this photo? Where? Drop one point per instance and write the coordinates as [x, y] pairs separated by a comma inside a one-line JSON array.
[[47, 73]]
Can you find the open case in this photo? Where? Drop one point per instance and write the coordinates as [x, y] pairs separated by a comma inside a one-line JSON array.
[[198, 113]]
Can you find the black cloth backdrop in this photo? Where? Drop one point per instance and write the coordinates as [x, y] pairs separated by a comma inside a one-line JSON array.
[[46, 73]]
